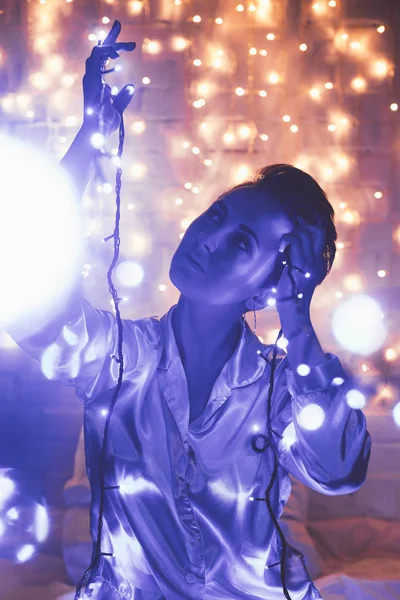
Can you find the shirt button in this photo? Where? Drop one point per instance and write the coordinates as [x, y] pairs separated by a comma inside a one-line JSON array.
[[190, 578]]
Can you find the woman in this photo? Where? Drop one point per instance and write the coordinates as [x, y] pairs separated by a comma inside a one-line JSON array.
[[183, 501]]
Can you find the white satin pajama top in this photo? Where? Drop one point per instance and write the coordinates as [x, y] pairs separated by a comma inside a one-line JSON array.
[[183, 514]]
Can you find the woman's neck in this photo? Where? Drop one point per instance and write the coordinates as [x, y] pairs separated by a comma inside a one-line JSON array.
[[206, 332]]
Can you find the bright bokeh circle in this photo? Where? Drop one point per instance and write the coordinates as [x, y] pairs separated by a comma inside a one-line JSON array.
[[359, 326], [40, 235]]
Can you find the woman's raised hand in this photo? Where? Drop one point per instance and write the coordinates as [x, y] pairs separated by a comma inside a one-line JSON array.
[[102, 110]]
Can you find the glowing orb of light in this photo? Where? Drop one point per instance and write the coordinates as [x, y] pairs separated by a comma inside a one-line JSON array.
[[358, 325], [40, 235], [129, 273], [311, 417], [355, 399], [24, 522], [396, 414]]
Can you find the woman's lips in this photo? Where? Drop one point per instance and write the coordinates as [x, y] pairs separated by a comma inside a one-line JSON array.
[[194, 262]]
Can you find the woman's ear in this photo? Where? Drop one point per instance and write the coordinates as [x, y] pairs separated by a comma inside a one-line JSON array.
[[261, 300]]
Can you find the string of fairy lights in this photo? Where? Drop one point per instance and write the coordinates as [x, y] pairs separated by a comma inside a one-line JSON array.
[[210, 71], [209, 136]]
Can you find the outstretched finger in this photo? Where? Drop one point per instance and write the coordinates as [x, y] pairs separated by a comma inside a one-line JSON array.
[[124, 97], [113, 34]]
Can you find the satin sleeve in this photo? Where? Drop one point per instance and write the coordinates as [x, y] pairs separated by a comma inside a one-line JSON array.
[[333, 458], [76, 347]]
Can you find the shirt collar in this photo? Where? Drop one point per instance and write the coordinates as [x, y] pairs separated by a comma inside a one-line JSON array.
[[244, 366]]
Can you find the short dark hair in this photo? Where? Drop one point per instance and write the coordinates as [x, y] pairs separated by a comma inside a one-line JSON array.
[[300, 195]]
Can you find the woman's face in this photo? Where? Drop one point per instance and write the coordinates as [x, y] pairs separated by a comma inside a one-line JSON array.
[[236, 243]]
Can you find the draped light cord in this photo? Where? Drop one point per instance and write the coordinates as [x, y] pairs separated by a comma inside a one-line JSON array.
[[120, 361]]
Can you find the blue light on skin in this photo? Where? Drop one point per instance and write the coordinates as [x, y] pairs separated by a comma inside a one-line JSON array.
[[207, 318]]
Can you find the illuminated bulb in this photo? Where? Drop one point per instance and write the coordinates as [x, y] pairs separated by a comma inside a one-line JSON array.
[[196, 150], [271, 301], [162, 287], [97, 140], [135, 7], [344, 163], [342, 205], [208, 162], [396, 414], [146, 80], [382, 273], [153, 47], [303, 47], [273, 78], [380, 68], [199, 103], [378, 195], [340, 245], [352, 283], [40, 80], [394, 107], [219, 21], [331, 127], [263, 52], [242, 172], [27, 551], [332, 3], [240, 8], [103, 412], [311, 417], [355, 45], [197, 19], [328, 85], [195, 189], [294, 128], [203, 88], [315, 93], [197, 62], [390, 354], [177, 2], [286, 118], [358, 84], [345, 36], [264, 137], [263, 93], [179, 43], [30, 114], [303, 370], [355, 399], [252, 8], [228, 137], [339, 295], [131, 206], [244, 132], [188, 185], [253, 51], [178, 201], [138, 127], [92, 37], [270, 36], [138, 170], [240, 91], [105, 20], [185, 144], [381, 29], [185, 223]]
